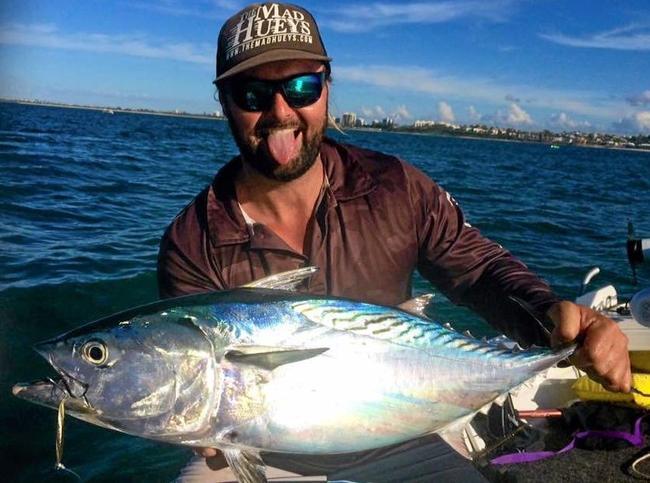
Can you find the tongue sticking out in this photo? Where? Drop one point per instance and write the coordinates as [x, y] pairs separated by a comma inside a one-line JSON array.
[[284, 145]]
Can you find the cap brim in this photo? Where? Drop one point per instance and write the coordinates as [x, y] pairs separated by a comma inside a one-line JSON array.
[[271, 56]]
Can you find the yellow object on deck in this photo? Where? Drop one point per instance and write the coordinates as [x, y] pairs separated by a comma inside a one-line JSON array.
[[589, 390], [640, 361]]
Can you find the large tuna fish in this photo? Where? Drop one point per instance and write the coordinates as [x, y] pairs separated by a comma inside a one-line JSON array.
[[258, 369]]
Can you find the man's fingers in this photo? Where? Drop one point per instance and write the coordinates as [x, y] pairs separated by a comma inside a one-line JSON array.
[[596, 346], [603, 354], [206, 452], [620, 379], [602, 348], [567, 319]]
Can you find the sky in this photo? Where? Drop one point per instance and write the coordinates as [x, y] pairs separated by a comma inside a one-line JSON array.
[[562, 65]]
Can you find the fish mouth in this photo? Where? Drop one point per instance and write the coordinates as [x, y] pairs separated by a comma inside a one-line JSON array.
[[72, 386], [49, 392]]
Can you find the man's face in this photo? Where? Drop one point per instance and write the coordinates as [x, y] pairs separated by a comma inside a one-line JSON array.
[[281, 142]]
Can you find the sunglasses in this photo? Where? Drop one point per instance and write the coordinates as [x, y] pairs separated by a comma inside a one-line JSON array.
[[255, 95]]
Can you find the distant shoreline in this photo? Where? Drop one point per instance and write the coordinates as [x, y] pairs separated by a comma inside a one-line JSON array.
[[114, 110], [211, 117], [502, 140], [594, 146]]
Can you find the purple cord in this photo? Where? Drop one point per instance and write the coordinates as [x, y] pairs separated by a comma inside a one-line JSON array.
[[635, 439]]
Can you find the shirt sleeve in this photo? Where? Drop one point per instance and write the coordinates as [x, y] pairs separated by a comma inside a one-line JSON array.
[[472, 270], [184, 262]]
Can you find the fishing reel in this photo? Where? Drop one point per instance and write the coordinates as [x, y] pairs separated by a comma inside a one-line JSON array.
[[607, 300], [638, 254], [638, 251]]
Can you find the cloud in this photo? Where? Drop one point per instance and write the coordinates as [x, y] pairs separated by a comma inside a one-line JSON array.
[[563, 121], [376, 112], [473, 114], [517, 116], [360, 17], [135, 45], [350, 18], [401, 113], [631, 37], [445, 112], [639, 122], [513, 116], [642, 99], [214, 9], [416, 79], [511, 98]]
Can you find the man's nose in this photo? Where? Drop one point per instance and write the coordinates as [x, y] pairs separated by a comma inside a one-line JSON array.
[[280, 109]]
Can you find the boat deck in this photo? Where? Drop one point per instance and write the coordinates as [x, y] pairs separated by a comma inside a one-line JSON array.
[[577, 465]]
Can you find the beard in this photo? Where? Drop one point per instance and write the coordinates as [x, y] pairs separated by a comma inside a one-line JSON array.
[[257, 155]]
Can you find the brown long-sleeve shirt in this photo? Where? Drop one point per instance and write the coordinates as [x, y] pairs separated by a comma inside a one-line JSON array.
[[378, 220]]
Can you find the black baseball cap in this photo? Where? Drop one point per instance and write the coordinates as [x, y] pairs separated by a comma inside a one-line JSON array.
[[267, 32]]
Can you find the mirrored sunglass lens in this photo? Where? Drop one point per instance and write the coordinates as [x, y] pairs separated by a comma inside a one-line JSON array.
[[254, 95], [257, 95], [303, 90]]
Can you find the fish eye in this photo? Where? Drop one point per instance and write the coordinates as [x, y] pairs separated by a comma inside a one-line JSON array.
[[95, 352]]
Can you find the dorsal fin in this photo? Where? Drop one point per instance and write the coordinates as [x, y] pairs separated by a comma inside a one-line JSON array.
[[418, 305], [284, 280]]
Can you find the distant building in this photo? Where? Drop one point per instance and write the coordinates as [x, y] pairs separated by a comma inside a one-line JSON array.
[[439, 125], [349, 119], [387, 122]]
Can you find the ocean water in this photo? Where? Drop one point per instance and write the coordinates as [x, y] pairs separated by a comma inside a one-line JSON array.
[[85, 197]]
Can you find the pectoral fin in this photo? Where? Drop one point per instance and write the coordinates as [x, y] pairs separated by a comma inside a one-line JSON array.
[[247, 466], [270, 357]]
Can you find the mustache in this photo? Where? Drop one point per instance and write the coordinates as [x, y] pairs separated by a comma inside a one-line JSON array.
[[265, 127]]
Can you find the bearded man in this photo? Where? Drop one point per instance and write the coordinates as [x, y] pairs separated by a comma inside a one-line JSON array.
[[295, 198]]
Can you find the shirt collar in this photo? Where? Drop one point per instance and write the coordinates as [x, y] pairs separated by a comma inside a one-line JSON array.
[[348, 179]]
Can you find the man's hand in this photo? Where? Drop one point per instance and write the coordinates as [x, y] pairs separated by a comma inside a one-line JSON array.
[[207, 452], [213, 457], [602, 347]]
